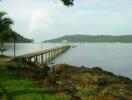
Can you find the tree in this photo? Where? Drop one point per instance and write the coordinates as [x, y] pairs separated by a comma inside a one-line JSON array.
[[68, 2], [14, 37], [5, 29], [3, 37]]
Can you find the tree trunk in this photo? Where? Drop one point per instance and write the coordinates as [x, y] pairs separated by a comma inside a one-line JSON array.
[[14, 49], [1, 46]]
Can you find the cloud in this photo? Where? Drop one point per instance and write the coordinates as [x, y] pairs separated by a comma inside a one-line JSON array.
[[40, 21], [44, 19]]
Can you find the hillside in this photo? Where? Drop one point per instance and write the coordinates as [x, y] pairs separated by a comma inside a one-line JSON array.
[[93, 38], [21, 39]]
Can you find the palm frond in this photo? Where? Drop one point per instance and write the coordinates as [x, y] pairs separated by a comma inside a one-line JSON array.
[[2, 14], [68, 2]]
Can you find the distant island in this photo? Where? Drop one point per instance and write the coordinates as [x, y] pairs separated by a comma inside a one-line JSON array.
[[21, 39], [92, 39]]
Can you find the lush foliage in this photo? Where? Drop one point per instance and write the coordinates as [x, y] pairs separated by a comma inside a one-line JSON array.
[[89, 91], [94, 39], [68, 2], [18, 38], [5, 27], [7, 34], [2, 50], [22, 80], [5, 30], [13, 87]]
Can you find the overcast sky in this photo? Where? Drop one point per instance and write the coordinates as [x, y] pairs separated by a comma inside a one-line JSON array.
[[46, 19]]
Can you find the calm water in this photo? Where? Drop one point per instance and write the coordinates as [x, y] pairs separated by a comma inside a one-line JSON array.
[[24, 48], [114, 57]]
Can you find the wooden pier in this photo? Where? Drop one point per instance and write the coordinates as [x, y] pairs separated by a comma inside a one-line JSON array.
[[45, 55]]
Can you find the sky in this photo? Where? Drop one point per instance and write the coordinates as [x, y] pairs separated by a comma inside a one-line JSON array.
[[47, 19]]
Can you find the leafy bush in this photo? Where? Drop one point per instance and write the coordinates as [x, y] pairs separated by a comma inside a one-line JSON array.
[[89, 91], [2, 50]]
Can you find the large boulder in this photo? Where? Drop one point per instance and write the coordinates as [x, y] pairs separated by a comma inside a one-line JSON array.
[[58, 68]]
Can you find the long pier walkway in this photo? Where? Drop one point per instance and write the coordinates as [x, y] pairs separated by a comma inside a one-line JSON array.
[[45, 55]]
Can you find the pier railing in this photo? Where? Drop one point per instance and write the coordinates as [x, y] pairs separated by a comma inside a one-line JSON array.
[[45, 55]]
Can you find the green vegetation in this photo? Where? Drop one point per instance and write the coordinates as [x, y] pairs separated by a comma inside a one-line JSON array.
[[68, 2], [7, 34], [5, 30], [16, 87], [20, 80], [89, 91], [2, 50], [93, 39], [20, 39]]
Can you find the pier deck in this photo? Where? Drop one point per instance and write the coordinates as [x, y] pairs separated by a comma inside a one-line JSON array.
[[45, 55]]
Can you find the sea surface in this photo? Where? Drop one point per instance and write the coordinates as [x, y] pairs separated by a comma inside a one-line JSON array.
[[113, 57]]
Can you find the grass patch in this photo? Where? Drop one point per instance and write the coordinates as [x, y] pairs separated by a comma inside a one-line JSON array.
[[13, 87]]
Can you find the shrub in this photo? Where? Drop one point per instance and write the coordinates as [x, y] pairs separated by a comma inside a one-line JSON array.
[[89, 91]]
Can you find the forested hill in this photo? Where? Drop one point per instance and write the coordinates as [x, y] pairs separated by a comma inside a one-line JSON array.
[[93, 38], [21, 39]]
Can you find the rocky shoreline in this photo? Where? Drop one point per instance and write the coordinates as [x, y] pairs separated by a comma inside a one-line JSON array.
[[77, 83]]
